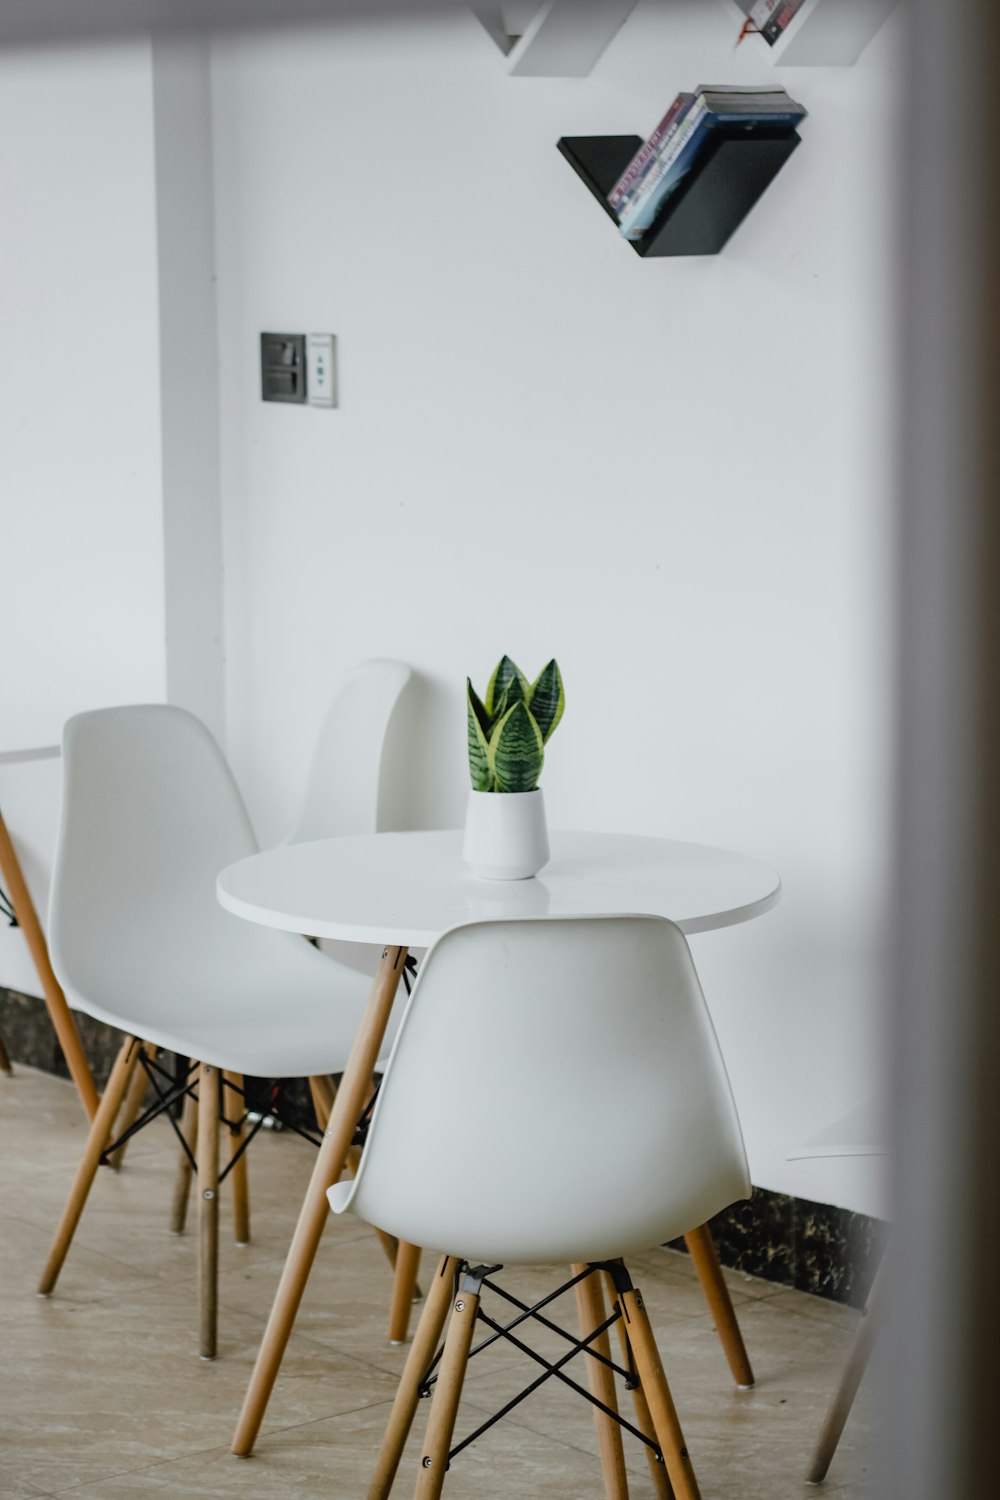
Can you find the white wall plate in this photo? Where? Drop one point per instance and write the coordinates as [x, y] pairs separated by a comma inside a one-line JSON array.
[[321, 384]]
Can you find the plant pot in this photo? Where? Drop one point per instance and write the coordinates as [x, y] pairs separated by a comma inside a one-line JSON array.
[[505, 835]]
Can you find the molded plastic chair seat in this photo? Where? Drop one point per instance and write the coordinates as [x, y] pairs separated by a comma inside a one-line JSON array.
[[150, 815], [232, 1017], [344, 784], [572, 1068], [582, 1068]]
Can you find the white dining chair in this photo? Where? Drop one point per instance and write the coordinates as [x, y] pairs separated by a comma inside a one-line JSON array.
[[343, 794], [569, 1079], [858, 1132], [344, 784], [150, 814]]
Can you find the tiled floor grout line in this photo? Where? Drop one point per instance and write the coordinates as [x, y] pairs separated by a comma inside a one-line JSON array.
[[757, 1449]]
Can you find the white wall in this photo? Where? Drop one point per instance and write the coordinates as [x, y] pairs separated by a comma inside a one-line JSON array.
[[189, 378], [81, 537], [671, 474], [111, 544], [81, 533]]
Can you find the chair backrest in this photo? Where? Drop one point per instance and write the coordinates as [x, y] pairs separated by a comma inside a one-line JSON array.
[[342, 790], [150, 815], [556, 1091]]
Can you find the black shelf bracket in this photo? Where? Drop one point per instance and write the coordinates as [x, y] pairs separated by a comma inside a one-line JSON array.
[[729, 175]]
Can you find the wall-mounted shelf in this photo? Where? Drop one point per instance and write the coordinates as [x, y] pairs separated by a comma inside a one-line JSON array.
[[823, 34], [551, 38], [710, 202]]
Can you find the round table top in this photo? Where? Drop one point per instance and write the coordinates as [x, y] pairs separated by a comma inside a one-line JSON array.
[[407, 888]]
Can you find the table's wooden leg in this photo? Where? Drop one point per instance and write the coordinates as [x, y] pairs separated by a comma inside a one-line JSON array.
[[706, 1262], [847, 1389], [239, 1173], [592, 1312], [324, 1092], [329, 1165], [55, 1000], [404, 1291], [5, 1066]]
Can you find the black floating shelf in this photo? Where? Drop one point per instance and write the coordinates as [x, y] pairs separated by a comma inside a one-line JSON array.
[[729, 175]]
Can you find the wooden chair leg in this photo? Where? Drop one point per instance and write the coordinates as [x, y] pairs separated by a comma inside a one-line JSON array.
[[315, 1210], [661, 1404], [592, 1312], [208, 1208], [131, 1107], [185, 1171], [847, 1389], [59, 1012], [389, 1243], [643, 1420], [239, 1174], [422, 1351], [5, 1066], [404, 1291], [447, 1394], [324, 1092], [706, 1263], [100, 1133]]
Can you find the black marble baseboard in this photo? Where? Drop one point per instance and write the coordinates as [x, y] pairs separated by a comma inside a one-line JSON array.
[[813, 1247], [30, 1038]]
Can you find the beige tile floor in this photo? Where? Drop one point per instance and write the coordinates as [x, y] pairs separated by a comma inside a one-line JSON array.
[[103, 1397]]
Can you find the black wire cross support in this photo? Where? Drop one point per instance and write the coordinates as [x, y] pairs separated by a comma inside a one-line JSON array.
[[480, 1276], [165, 1100], [184, 1084], [7, 909]]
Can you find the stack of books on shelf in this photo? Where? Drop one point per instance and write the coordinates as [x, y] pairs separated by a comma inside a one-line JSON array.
[[770, 17], [662, 162]]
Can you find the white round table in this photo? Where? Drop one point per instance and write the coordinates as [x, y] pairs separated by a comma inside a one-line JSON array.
[[402, 890], [408, 888]]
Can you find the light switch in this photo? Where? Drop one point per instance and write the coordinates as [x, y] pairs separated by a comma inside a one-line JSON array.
[[282, 367], [319, 362]]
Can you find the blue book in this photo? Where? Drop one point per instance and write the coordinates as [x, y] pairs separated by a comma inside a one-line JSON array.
[[709, 111]]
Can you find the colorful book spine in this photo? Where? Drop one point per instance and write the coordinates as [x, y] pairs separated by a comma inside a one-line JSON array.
[[644, 157], [779, 20], [630, 223], [687, 146], [762, 11]]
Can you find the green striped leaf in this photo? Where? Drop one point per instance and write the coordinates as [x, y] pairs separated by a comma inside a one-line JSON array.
[[507, 678], [516, 751], [477, 706], [479, 766], [500, 708], [547, 699]]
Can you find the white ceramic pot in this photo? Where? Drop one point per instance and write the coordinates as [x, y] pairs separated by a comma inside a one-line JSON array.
[[505, 835]]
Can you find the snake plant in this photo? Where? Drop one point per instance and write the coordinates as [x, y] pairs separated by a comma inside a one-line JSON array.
[[509, 728]]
